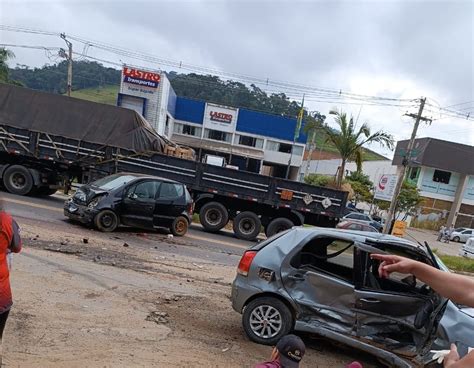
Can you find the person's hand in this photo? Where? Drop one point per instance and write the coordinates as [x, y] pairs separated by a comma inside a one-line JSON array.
[[391, 263], [452, 357]]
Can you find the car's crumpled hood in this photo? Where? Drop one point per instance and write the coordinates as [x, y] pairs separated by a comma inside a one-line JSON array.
[[88, 193]]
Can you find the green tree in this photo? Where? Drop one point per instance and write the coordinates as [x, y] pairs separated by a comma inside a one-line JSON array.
[[408, 200], [361, 185], [5, 55], [318, 180], [350, 139]]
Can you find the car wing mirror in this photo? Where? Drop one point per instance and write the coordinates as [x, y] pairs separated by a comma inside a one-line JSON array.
[[410, 280]]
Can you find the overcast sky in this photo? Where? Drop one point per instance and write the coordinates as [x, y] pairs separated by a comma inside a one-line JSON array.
[[398, 49]]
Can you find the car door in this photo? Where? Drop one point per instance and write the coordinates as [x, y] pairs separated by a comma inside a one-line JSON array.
[[466, 234], [320, 281], [170, 203], [400, 312], [138, 204]]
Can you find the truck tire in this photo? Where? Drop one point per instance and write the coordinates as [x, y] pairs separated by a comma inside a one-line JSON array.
[[180, 226], [106, 221], [267, 330], [213, 216], [278, 225], [18, 180], [246, 225]]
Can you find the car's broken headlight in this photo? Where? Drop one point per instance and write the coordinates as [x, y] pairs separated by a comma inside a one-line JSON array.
[[94, 202]]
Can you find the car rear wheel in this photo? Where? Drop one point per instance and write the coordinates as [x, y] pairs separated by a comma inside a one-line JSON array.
[[278, 225], [266, 320], [106, 221], [18, 180], [456, 239], [213, 216], [180, 226], [246, 225]]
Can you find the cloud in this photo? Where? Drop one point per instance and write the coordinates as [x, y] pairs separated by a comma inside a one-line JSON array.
[[401, 49]]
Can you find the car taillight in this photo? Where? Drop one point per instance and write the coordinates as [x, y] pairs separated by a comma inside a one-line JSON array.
[[245, 262], [191, 208]]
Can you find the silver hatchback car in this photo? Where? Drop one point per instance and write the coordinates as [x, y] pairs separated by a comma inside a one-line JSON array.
[[323, 281]]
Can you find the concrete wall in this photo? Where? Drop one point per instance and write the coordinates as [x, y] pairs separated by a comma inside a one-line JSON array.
[[374, 169]]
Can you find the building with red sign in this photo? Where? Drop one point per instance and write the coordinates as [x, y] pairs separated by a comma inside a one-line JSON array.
[[247, 140]]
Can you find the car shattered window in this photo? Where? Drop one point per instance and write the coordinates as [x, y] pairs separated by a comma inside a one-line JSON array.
[[397, 282], [327, 255]]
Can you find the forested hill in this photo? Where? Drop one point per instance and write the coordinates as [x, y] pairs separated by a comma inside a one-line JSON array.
[[86, 75]]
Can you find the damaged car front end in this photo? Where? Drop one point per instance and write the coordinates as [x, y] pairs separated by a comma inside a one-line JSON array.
[[323, 281]]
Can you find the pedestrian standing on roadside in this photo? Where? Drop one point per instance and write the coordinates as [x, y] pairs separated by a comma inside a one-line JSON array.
[[441, 232], [286, 354], [10, 241]]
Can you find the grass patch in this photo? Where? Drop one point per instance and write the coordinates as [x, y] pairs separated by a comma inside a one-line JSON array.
[[460, 264], [106, 95], [195, 218]]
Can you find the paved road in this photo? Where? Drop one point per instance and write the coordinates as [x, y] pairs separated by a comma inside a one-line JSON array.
[[221, 247]]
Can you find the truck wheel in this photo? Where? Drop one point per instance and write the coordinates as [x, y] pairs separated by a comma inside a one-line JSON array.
[[266, 320], [246, 225], [213, 216], [180, 226], [18, 180], [106, 221], [278, 225]]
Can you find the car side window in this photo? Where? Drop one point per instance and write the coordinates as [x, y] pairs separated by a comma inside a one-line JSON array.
[[171, 191], [327, 255], [354, 227], [468, 232], [397, 282], [144, 190]]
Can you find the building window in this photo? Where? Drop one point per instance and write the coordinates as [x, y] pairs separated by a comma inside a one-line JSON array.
[[279, 147], [246, 140], [218, 135], [441, 176], [298, 150], [413, 174], [187, 129], [285, 148]]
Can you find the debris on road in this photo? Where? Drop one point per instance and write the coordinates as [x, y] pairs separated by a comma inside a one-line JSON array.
[[157, 317]]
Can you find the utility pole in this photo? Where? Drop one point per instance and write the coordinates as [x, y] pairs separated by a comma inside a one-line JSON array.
[[406, 159], [295, 137], [68, 57], [312, 139]]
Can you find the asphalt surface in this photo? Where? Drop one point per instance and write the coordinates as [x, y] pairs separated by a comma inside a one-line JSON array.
[[220, 247]]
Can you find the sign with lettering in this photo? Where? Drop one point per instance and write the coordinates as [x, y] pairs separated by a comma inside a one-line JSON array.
[[386, 187], [141, 77], [220, 117]]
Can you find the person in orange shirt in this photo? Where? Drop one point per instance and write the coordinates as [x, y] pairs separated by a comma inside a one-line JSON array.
[[10, 241]]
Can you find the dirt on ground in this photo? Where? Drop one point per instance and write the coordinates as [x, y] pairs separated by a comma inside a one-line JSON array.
[[86, 299]]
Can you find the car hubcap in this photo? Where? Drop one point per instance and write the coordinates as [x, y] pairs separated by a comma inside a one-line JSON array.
[[18, 180], [213, 217], [246, 226], [265, 321], [107, 221], [180, 227]]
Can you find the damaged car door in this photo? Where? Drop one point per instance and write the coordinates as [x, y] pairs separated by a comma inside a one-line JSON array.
[[319, 279], [399, 312]]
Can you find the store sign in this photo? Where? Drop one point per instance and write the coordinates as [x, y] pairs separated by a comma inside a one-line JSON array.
[[140, 77], [220, 117], [386, 187]]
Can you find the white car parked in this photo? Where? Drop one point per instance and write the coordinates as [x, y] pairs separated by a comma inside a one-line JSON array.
[[461, 236], [467, 249]]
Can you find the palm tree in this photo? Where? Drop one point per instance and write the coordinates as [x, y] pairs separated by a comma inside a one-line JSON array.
[[350, 139], [4, 56]]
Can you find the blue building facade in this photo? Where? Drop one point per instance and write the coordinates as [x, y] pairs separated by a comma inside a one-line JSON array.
[[249, 140]]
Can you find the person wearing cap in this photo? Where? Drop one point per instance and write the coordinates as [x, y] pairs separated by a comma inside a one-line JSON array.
[[287, 353]]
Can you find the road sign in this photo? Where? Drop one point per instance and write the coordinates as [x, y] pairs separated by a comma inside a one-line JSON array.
[[385, 187]]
